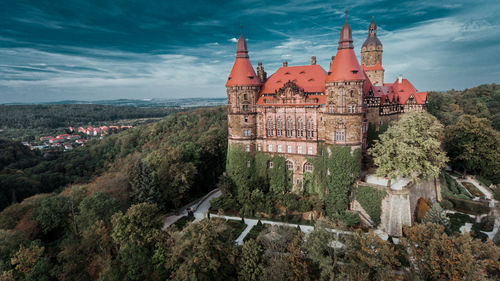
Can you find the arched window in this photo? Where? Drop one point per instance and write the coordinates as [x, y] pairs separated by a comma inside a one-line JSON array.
[[279, 127], [289, 165], [289, 127], [310, 128], [300, 128], [269, 127], [308, 167]]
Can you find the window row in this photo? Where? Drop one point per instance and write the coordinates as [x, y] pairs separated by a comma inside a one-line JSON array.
[[289, 149], [288, 128], [350, 108], [308, 167]]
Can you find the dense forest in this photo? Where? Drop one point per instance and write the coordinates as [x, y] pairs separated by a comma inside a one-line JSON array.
[[472, 129], [28, 122], [185, 150]]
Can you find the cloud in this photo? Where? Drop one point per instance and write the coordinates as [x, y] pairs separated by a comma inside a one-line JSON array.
[[234, 40]]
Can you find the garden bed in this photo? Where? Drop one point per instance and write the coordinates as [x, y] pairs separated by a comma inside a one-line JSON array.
[[254, 232], [458, 220], [473, 189], [469, 206], [236, 227]]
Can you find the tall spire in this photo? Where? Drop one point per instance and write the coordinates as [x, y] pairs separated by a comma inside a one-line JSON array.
[[372, 29], [345, 41], [241, 50], [242, 72]]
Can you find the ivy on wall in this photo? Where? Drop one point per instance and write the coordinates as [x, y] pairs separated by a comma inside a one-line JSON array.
[[335, 170], [371, 199]]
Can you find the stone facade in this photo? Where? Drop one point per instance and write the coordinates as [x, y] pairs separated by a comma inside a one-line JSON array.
[[298, 108]]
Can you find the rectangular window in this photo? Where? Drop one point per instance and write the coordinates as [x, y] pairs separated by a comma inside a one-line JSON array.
[[339, 136], [245, 107], [247, 148], [246, 118], [299, 149], [289, 149], [309, 150], [279, 147], [259, 147], [270, 148]]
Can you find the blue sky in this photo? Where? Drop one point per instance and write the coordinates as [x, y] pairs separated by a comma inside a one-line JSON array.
[[93, 50]]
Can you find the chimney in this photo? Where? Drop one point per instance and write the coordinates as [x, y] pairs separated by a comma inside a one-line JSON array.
[[331, 62], [400, 78], [285, 64], [313, 60], [261, 73]]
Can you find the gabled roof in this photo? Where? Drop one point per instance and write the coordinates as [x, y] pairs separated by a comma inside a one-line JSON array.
[[310, 78]]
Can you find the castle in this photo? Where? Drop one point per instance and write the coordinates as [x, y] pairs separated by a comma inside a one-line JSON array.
[[300, 107]]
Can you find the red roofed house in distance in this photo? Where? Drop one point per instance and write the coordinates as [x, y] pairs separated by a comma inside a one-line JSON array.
[[299, 107]]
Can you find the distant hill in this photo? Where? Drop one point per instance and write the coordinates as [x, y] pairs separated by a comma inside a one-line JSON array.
[[187, 102]]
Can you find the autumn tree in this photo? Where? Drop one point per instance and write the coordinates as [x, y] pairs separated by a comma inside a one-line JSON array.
[[252, 263], [275, 240], [52, 214], [369, 257], [474, 146], [298, 263], [410, 148], [434, 255]]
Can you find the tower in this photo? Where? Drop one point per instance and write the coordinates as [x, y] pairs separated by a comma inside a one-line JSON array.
[[371, 56], [343, 116], [243, 88]]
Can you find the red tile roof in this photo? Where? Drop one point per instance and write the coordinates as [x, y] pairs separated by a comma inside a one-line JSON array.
[[378, 66], [242, 73], [310, 78], [345, 67]]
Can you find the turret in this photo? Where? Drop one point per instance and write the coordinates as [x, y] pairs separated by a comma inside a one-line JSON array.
[[243, 87], [344, 94], [371, 56]]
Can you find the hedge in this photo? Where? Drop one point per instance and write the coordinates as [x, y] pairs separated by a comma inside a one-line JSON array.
[[469, 206]]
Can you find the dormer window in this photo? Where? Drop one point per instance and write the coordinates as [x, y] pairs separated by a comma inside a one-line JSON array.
[[287, 73], [354, 72], [302, 72], [310, 80], [251, 77]]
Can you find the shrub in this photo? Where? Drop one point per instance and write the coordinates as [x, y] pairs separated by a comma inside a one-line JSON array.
[[446, 204], [349, 218], [457, 220], [371, 199], [469, 206]]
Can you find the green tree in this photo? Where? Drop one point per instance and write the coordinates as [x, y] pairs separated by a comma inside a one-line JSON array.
[[97, 206], [52, 214], [143, 185], [203, 251], [410, 148], [140, 225], [437, 215], [251, 265], [474, 146], [322, 248], [30, 263]]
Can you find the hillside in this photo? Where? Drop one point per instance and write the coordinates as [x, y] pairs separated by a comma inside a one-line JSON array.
[[190, 148]]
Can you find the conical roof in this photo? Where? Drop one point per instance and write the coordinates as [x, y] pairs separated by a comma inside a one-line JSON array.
[[242, 73]]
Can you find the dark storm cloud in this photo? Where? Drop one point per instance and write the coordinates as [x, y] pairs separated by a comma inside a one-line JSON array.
[[59, 50]]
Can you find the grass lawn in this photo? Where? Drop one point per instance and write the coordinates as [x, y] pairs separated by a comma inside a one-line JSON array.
[[236, 227], [473, 189], [182, 222]]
